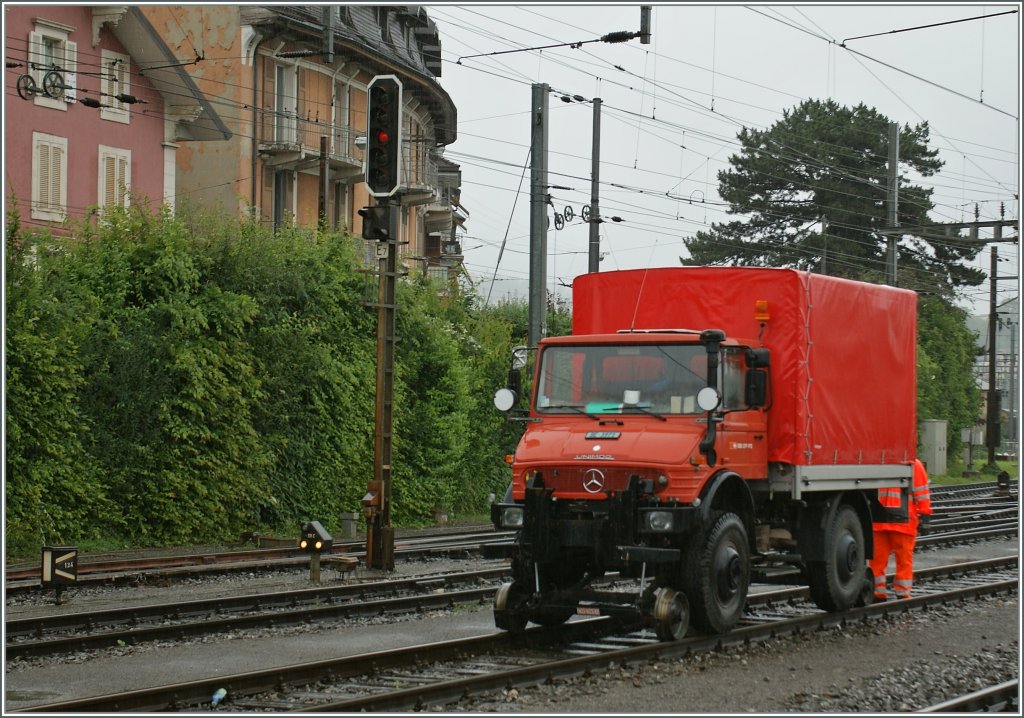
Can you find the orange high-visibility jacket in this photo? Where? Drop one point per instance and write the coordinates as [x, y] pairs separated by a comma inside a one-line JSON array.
[[920, 502]]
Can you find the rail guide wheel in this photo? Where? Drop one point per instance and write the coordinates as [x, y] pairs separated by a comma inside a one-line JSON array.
[[508, 605], [671, 614]]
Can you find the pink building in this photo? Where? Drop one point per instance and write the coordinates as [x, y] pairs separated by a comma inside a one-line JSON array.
[[95, 107]]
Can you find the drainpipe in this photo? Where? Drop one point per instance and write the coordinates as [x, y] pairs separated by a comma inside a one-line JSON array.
[[253, 179]]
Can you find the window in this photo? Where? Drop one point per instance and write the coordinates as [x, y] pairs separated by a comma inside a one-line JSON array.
[[115, 178], [52, 63], [342, 132], [285, 104], [49, 177], [734, 375], [115, 81]]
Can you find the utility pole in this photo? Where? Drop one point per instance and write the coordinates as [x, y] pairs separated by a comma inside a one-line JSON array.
[[595, 179], [1012, 383], [893, 200], [992, 416], [538, 213]]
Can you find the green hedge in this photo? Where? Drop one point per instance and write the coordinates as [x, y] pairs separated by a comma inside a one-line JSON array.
[[175, 380]]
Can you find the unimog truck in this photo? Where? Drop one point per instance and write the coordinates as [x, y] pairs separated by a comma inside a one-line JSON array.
[[700, 428]]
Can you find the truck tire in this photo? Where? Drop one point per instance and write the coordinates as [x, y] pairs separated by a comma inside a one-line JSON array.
[[716, 572], [837, 583]]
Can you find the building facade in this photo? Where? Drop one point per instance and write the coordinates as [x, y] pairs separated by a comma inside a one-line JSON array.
[[291, 83], [95, 112]]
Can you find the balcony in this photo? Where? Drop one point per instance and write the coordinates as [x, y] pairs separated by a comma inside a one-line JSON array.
[[287, 140]]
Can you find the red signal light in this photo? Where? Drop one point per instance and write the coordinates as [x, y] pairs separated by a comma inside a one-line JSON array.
[[383, 137]]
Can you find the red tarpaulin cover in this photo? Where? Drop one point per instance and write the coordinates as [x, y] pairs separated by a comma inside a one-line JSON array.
[[843, 365]]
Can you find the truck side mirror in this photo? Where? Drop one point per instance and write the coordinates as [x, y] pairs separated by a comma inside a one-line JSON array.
[[708, 399], [757, 388], [505, 399]]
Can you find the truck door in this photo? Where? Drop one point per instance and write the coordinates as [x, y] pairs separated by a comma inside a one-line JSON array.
[[742, 439]]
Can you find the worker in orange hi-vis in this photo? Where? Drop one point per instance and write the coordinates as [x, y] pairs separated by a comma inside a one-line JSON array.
[[898, 537]]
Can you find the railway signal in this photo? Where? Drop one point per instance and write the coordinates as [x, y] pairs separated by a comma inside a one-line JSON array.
[[375, 222], [313, 541], [383, 135], [315, 538], [60, 567]]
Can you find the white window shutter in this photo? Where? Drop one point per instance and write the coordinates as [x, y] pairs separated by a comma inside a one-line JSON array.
[[56, 178], [35, 55], [70, 72]]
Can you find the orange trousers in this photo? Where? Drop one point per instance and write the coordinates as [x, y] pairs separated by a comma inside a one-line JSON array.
[[901, 544]]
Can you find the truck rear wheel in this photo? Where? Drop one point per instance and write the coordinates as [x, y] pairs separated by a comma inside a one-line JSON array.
[[837, 583], [717, 574]]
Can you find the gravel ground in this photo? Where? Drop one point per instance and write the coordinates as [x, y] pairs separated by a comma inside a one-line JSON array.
[[901, 663]]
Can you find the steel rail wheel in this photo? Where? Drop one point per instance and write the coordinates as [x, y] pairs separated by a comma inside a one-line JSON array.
[[671, 614], [508, 604]]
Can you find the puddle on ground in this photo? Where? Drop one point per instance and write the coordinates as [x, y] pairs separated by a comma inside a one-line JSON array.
[[30, 695]]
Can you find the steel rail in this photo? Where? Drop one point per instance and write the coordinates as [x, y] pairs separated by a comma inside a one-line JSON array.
[[244, 561], [116, 565], [287, 604], [1002, 697]]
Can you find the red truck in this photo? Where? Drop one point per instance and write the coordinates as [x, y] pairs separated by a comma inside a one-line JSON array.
[[700, 428]]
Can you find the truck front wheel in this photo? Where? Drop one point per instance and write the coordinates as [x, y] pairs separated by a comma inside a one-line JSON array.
[[837, 583], [717, 575]]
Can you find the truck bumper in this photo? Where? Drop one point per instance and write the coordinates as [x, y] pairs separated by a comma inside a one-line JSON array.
[[609, 533]]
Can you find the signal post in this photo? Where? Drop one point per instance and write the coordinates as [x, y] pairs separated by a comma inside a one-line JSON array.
[[380, 223]]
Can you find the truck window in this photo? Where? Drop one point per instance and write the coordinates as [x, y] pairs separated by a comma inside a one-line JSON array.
[[664, 378], [734, 374]]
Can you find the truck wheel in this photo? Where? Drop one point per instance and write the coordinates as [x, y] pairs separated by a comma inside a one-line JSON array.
[[508, 605], [717, 574], [671, 614], [837, 583]]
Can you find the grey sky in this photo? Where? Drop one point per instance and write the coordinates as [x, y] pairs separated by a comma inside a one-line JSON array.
[[672, 108]]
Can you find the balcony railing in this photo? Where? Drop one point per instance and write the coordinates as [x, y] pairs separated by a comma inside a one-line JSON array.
[[286, 131]]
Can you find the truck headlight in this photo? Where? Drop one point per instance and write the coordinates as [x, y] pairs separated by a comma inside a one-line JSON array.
[[659, 520], [512, 517]]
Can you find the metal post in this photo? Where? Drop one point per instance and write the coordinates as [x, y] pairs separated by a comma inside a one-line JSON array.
[[380, 536], [595, 178], [538, 213], [992, 423], [893, 202], [324, 175], [1011, 386], [824, 244]]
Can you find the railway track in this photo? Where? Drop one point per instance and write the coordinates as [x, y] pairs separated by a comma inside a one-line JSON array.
[[120, 571], [131, 625], [436, 674], [39, 635], [961, 513]]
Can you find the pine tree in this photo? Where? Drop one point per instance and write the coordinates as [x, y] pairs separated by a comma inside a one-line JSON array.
[[823, 166]]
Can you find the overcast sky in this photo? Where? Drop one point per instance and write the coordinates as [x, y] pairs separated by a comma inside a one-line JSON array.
[[672, 109]]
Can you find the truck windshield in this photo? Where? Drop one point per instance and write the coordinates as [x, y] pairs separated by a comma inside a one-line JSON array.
[[661, 378]]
